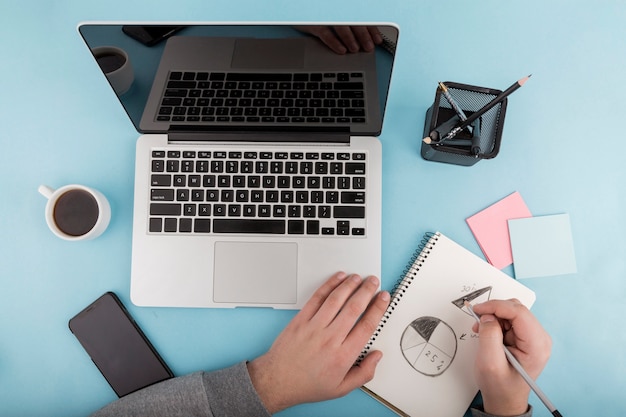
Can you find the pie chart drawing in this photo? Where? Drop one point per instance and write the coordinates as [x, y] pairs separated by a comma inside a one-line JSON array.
[[429, 345]]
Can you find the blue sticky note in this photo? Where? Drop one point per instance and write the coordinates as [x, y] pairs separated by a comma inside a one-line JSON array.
[[542, 246]]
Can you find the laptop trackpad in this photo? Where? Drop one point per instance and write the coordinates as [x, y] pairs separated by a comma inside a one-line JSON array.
[[247, 272]]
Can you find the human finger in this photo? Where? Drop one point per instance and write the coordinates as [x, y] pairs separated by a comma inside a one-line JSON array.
[[362, 373], [335, 301], [519, 325], [512, 310], [507, 309], [367, 324], [319, 296], [490, 340], [354, 307]]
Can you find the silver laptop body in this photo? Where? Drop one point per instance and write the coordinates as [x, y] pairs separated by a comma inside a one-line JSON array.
[[258, 171]]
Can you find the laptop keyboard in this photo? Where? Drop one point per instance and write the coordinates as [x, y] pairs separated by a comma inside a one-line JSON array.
[[258, 192], [337, 97]]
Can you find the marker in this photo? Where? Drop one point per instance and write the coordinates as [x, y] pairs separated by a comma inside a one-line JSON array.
[[499, 98], [518, 367]]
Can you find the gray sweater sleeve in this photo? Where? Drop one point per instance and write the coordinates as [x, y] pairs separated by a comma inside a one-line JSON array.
[[227, 392]]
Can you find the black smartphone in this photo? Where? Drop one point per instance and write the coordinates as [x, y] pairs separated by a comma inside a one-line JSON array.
[[151, 34], [117, 346]]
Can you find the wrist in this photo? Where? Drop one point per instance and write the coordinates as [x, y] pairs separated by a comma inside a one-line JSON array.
[[264, 385], [505, 408]]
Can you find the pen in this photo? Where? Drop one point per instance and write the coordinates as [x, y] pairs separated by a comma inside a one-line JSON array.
[[475, 145], [452, 101], [518, 367], [499, 98]]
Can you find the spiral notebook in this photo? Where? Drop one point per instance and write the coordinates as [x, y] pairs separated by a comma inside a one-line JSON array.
[[426, 335]]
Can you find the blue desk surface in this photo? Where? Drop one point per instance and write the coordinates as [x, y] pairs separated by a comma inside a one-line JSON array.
[[563, 150]]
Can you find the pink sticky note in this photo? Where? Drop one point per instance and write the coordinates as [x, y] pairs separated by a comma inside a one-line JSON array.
[[491, 230]]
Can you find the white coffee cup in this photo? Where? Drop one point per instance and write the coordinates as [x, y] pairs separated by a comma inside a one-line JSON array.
[[76, 212], [115, 64]]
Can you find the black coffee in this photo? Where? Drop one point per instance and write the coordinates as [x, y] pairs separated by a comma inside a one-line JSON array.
[[76, 212]]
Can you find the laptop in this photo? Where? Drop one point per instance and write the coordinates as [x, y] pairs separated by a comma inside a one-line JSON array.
[[258, 166]]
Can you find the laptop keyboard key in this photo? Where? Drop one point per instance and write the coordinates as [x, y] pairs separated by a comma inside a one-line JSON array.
[[296, 227], [313, 227], [353, 197], [355, 168], [349, 212], [202, 226], [170, 225], [155, 225], [185, 225], [343, 228], [165, 209], [161, 180], [249, 226], [162, 194]]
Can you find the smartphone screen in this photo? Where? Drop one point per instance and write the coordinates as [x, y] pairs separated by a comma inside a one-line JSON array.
[[117, 346]]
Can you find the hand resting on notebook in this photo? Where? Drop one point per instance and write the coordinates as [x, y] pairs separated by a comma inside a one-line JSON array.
[[503, 390], [312, 359]]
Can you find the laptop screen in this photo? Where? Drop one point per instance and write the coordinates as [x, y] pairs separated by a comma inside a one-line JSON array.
[[203, 77]]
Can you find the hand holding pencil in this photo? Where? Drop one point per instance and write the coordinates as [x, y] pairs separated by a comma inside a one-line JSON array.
[[503, 387]]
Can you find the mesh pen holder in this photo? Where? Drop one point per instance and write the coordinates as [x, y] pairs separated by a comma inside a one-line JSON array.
[[480, 141]]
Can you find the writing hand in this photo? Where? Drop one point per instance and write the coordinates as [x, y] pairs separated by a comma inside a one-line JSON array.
[[503, 390], [312, 359], [344, 39]]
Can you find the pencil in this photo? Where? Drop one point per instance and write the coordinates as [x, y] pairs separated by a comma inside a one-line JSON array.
[[518, 367], [498, 99]]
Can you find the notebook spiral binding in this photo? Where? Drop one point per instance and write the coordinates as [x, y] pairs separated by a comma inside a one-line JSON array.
[[388, 43], [408, 275]]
